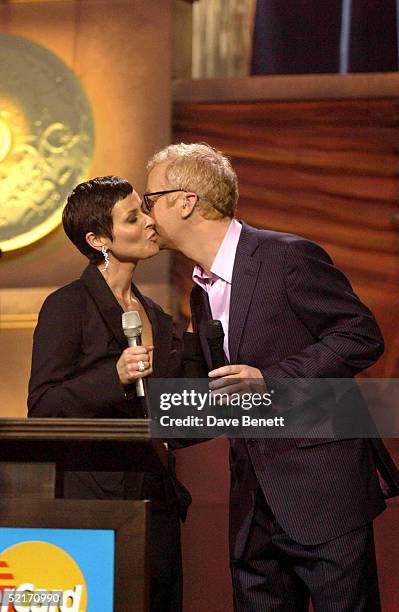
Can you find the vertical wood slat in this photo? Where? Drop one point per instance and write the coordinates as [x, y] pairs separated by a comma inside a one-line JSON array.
[[222, 33]]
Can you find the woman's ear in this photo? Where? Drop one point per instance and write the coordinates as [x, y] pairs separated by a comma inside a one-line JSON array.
[[96, 242]]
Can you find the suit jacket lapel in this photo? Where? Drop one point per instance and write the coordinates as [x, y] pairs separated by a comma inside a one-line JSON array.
[[162, 332], [108, 306], [111, 312], [245, 275]]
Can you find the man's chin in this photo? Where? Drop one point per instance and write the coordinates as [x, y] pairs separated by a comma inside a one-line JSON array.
[[162, 244]]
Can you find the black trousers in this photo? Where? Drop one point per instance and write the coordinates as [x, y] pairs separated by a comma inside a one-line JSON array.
[[277, 574]]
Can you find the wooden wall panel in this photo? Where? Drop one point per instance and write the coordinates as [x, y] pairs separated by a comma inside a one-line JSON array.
[[324, 169]]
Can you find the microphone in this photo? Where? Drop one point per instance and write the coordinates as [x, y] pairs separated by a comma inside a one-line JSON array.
[[132, 328], [215, 337]]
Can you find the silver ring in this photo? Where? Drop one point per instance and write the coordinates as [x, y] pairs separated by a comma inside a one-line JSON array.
[[141, 366]]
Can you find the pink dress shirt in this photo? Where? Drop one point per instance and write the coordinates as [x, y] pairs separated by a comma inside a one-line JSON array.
[[217, 284]]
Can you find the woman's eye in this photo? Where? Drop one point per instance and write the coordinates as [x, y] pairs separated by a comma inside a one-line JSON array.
[[132, 219]]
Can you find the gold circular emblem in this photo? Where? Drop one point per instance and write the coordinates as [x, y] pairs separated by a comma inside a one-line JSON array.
[[46, 139]]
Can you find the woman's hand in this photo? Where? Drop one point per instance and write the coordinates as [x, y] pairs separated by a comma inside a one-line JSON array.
[[128, 364]]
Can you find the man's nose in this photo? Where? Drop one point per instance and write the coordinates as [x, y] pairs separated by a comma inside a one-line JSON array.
[[149, 221]]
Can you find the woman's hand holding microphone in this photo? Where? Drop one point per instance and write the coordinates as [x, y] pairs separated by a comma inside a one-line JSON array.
[[134, 363]]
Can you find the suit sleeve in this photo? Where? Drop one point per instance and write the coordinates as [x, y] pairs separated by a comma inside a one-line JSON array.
[[346, 336], [58, 387]]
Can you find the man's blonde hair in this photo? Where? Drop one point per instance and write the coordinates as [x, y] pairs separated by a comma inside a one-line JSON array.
[[202, 169]]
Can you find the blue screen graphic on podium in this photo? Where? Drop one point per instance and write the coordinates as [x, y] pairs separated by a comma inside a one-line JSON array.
[[57, 569]]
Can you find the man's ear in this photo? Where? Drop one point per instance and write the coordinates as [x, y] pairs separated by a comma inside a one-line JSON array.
[[96, 242], [189, 202]]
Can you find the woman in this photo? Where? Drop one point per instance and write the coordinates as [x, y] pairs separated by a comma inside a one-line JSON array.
[[82, 367]]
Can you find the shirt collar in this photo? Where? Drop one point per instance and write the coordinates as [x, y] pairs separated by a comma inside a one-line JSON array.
[[223, 264]]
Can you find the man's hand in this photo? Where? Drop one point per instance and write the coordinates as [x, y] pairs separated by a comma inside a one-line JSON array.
[[237, 379]]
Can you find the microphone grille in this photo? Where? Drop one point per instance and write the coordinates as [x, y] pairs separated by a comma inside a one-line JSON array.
[[214, 330], [131, 323]]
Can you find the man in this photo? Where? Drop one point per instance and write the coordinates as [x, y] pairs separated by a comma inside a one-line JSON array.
[[301, 510]]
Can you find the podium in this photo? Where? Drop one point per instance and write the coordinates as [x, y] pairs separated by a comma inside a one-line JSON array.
[[34, 456]]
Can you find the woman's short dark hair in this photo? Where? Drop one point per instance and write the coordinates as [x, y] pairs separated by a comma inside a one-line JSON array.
[[89, 209]]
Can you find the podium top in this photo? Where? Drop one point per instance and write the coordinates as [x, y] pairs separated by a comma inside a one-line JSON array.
[[123, 430]]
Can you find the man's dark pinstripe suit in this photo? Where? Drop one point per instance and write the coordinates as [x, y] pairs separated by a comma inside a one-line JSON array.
[[293, 314]]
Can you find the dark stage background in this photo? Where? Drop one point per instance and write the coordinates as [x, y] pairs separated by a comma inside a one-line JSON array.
[[315, 36]]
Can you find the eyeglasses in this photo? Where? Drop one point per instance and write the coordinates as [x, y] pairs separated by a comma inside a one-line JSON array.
[[149, 201]]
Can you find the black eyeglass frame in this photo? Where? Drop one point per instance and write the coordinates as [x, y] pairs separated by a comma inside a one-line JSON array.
[[148, 204]]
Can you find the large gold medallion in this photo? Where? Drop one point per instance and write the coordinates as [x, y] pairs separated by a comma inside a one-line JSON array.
[[46, 139]]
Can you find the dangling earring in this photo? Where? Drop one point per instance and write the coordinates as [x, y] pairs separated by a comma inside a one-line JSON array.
[[106, 258]]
